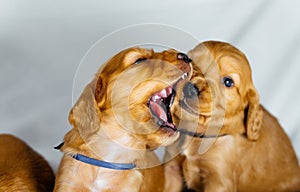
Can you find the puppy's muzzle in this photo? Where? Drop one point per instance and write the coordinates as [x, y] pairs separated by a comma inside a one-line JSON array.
[[184, 57], [160, 102], [190, 91]]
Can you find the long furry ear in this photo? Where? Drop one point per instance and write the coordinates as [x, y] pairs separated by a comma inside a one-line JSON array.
[[100, 91], [253, 115], [85, 118]]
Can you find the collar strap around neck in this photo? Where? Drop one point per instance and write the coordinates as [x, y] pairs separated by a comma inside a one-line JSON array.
[[105, 164], [199, 135]]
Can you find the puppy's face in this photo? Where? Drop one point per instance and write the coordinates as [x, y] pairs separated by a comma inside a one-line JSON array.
[[136, 89], [220, 89]]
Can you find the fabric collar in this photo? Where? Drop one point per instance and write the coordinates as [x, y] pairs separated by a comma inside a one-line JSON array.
[[199, 135], [105, 164]]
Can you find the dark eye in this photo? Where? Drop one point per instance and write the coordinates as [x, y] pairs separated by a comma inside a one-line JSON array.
[[228, 82], [190, 90], [139, 60]]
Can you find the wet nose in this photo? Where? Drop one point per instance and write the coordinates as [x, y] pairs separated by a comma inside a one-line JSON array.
[[184, 57], [190, 90]]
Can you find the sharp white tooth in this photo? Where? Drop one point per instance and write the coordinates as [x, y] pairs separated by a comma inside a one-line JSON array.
[[184, 76], [164, 93], [156, 97], [169, 90]]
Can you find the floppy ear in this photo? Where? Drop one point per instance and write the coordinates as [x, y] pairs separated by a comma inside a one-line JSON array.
[[100, 91], [253, 115], [85, 118]]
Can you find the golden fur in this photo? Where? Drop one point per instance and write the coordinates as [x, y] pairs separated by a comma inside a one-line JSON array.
[[21, 168], [111, 121], [250, 151]]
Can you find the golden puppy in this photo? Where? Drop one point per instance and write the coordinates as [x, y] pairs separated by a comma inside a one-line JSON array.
[[121, 116], [21, 168], [238, 145]]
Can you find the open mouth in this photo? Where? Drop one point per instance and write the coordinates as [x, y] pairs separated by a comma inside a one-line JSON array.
[[160, 104]]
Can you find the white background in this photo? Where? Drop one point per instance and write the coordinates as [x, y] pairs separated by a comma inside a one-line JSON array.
[[43, 42]]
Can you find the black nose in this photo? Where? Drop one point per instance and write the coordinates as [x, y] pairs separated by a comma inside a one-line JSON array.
[[184, 57], [190, 90]]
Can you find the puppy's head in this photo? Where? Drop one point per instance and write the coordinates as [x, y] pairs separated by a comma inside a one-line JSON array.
[[221, 91], [131, 97]]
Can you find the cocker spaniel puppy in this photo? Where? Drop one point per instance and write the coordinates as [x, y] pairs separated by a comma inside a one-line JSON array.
[[21, 168], [237, 145], [121, 116]]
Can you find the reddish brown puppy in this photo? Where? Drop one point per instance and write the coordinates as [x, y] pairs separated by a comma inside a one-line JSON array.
[[121, 116], [238, 145], [21, 168]]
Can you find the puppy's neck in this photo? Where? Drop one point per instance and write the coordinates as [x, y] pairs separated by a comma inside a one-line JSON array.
[[222, 125], [113, 146], [234, 124]]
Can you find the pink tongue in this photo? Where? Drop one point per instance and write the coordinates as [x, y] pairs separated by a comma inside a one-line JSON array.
[[157, 109]]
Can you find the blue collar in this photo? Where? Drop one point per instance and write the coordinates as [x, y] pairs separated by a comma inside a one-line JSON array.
[[105, 164]]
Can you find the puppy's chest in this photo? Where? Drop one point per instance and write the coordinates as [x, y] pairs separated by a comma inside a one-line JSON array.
[[116, 180]]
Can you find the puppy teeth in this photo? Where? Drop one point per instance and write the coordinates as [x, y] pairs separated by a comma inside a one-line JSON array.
[[184, 76]]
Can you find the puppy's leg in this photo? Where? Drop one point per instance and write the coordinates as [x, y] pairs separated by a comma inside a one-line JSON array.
[[215, 170], [221, 182], [209, 177], [173, 174], [193, 176]]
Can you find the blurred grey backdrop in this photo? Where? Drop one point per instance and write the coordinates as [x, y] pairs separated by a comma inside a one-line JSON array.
[[43, 42]]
